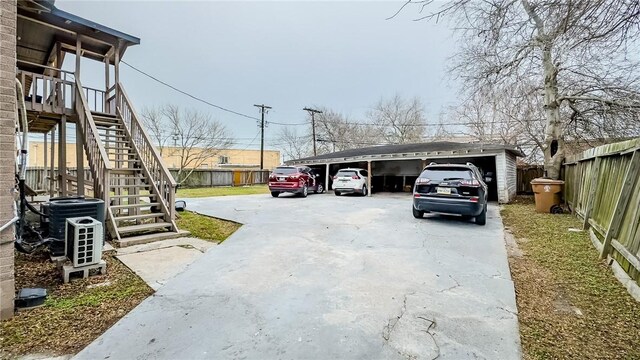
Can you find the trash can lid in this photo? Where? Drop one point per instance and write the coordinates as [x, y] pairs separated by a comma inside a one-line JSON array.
[[543, 181]]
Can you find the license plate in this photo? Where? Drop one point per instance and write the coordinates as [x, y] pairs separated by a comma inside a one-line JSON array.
[[280, 179], [441, 190], [344, 180]]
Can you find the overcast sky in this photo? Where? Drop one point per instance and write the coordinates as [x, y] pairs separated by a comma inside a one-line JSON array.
[[342, 55]]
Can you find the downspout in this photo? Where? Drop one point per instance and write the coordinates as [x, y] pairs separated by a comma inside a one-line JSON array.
[[24, 146], [20, 168]]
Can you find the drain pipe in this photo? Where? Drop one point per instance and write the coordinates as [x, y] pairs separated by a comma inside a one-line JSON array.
[[24, 146]]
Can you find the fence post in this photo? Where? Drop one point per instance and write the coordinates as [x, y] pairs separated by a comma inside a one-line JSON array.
[[595, 171], [577, 184], [622, 202]]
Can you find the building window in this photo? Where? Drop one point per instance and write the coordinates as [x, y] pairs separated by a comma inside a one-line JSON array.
[[223, 159]]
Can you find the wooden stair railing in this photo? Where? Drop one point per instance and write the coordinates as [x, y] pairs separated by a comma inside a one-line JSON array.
[[96, 153], [152, 166]]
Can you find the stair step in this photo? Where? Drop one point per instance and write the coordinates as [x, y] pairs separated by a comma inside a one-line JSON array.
[[143, 227], [139, 186], [118, 130], [123, 171], [131, 158], [100, 123], [127, 206], [127, 178], [116, 141], [112, 136], [103, 114], [147, 238], [132, 196], [125, 160], [138, 217], [128, 148]]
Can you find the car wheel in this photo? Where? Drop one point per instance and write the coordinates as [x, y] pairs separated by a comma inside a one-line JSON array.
[[275, 193], [319, 189], [337, 193], [482, 218], [305, 191], [364, 190], [417, 213]]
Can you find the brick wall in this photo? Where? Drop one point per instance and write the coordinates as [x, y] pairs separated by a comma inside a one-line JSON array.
[[7, 147]]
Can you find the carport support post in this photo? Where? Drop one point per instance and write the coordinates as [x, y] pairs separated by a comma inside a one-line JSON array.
[[369, 177], [326, 178]]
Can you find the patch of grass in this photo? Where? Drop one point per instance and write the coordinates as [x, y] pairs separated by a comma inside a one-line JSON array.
[[222, 191], [74, 314], [206, 227], [570, 305]]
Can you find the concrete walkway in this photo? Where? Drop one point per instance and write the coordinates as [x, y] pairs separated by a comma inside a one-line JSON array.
[[158, 262], [330, 277]]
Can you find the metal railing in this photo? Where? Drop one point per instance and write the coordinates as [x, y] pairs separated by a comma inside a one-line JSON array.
[[151, 163]]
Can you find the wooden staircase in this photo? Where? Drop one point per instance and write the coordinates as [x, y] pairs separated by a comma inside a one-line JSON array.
[[128, 173]]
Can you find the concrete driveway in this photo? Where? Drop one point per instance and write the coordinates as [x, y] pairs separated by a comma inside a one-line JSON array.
[[330, 277]]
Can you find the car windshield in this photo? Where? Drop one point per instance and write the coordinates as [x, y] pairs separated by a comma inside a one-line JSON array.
[[444, 174], [346, 173], [285, 170]]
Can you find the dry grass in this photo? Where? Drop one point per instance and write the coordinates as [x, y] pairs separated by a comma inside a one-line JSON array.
[[570, 305], [206, 227], [73, 314]]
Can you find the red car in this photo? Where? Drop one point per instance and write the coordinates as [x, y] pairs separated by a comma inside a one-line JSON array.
[[299, 180]]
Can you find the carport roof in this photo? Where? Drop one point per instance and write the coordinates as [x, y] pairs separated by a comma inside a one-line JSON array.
[[426, 150]]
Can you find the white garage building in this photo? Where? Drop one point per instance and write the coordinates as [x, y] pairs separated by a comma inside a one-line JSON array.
[[396, 167]]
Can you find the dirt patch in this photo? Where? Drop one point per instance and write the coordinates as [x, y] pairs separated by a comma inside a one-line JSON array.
[[570, 306], [74, 314]]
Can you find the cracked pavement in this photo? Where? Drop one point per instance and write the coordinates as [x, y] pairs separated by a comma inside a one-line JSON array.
[[330, 277]]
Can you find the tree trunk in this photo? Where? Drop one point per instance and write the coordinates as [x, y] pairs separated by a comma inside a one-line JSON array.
[[553, 142]]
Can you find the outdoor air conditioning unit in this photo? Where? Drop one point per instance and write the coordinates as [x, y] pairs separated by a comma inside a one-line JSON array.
[[83, 241]]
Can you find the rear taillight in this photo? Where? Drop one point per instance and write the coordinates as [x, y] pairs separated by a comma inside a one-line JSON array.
[[423, 181], [355, 177], [474, 183], [474, 199], [416, 195], [335, 177]]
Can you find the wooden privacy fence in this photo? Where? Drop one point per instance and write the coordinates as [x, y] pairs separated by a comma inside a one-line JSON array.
[[524, 176], [38, 178], [214, 177], [602, 187]]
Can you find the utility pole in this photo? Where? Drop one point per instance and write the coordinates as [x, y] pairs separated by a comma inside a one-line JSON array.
[[263, 110], [313, 127]]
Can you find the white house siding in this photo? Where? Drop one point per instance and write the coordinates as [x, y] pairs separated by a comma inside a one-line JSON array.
[[501, 178], [506, 176], [511, 175]]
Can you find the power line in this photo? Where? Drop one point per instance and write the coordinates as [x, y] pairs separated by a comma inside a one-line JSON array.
[[252, 141], [187, 94], [203, 100], [294, 124]]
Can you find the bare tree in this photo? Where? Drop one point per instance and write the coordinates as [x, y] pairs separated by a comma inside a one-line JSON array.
[[293, 145], [336, 132], [197, 137], [157, 129], [581, 56], [399, 121]]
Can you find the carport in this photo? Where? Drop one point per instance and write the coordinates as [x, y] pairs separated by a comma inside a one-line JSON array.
[[394, 168]]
